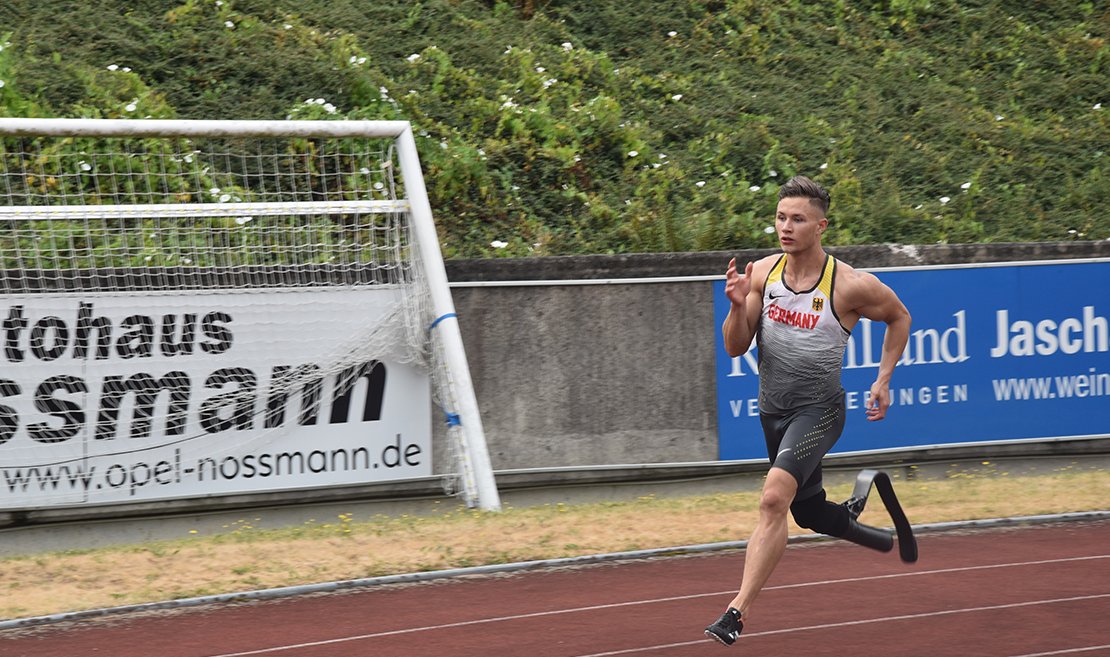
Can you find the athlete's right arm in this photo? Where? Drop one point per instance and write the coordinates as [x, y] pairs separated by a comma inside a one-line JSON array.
[[747, 303]]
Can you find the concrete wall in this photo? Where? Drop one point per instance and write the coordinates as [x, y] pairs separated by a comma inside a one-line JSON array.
[[598, 374], [621, 370]]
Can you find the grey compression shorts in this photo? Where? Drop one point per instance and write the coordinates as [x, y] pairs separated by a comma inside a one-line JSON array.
[[799, 439]]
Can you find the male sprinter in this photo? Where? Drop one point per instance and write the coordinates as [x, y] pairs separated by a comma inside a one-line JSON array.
[[801, 306]]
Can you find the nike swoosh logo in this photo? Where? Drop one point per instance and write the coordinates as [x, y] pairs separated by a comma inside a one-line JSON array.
[[781, 452], [773, 296]]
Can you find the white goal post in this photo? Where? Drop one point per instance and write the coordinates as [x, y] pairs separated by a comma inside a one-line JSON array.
[[172, 288]]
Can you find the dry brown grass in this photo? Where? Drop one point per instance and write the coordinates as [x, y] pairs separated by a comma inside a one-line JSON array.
[[340, 549]]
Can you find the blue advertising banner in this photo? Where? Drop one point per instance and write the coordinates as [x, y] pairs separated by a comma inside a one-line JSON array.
[[996, 353]]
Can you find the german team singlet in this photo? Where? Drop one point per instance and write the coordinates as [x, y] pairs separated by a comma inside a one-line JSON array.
[[801, 342]]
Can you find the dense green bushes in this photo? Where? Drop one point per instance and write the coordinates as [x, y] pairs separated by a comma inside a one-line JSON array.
[[597, 126]]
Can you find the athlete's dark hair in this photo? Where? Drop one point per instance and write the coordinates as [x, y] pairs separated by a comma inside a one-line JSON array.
[[806, 188]]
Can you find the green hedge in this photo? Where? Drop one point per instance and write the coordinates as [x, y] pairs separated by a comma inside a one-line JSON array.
[[605, 127]]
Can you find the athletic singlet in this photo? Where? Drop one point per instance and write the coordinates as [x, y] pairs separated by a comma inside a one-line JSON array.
[[801, 342]]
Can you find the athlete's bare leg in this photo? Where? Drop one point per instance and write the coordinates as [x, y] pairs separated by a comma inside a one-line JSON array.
[[768, 541]]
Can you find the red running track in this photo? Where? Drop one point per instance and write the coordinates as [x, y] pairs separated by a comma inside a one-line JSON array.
[[1016, 592]]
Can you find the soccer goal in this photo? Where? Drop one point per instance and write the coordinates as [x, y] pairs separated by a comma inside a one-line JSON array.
[[205, 308]]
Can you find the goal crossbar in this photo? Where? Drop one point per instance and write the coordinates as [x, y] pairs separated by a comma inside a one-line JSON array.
[[24, 127], [200, 210]]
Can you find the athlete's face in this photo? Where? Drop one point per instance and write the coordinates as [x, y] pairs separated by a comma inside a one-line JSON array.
[[799, 224]]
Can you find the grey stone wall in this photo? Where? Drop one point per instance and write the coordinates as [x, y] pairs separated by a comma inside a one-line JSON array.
[[592, 374]]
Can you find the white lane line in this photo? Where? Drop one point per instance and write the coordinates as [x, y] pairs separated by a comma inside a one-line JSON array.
[[938, 571], [1066, 651], [555, 612], [885, 619]]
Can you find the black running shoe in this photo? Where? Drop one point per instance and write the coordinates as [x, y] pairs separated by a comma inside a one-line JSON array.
[[727, 628]]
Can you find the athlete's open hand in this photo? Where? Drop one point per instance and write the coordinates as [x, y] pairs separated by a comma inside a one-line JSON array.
[[878, 402], [737, 285]]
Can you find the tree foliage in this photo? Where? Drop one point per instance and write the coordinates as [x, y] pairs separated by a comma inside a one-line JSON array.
[[574, 126]]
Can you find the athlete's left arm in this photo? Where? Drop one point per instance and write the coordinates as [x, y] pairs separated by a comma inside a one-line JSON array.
[[879, 303]]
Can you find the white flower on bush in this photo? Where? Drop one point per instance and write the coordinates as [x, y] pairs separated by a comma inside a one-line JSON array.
[[676, 97], [754, 188], [567, 45], [243, 220], [633, 153], [700, 183], [229, 25], [413, 57], [672, 34], [770, 230], [944, 200], [498, 244], [966, 186], [131, 107]]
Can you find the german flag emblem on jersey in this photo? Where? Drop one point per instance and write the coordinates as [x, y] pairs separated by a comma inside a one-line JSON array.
[[818, 303]]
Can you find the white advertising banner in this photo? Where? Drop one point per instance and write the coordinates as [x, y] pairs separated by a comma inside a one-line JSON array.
[[108, 398]]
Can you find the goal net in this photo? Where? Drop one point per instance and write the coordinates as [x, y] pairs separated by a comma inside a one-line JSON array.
[[223, 307]]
